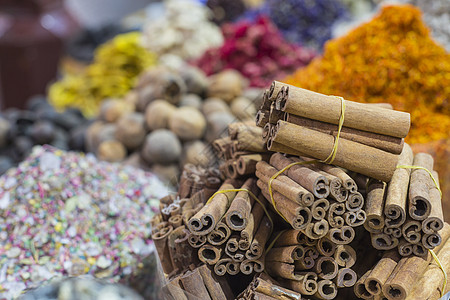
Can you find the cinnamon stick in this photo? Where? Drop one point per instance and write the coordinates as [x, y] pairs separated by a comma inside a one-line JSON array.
[[435, 221], [293, 237], [326, 289], [337, 191], [347, 182], [383, 241], [334, 214], [419, 250], [160, 238], [275, 291], [345, 256], [395, 207], [326, 267], [193, 284], [411, 231], [345, 278], [309, 179], [354, 202], [327, 109], [181, 253], [360, 288], [209, 254], [419, 197], [262, 118], [237, 214], [356, 157], [278, 147], [306, 284], [286, 254], [259, 241], [249, 231], [219, 235], [325, 247], [381, 272], [432, 240], [308, 260], [220, 268], [246, 164], [196, 241], [341, 236], [316, 230], [218, 289], [175, 290], [319, 209], [355, 219], [374, 206], [206, 219], [383, 142]]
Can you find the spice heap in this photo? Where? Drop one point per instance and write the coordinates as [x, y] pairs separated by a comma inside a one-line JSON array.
[[112, 74], [64, 213], [257, 50], [37, 125], [312, 242], [169, 118], [437, 16], [308, 23], [184, 30], [389, 59]]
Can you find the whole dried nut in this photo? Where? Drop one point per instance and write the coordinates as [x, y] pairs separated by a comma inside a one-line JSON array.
[[111, 151], [212, 105], [112, 109], [99, 132], [197, 153], [243, 108], [158, 113], [195, 79], [43, 132], [191, 100], [131, 130], [218, 125], [4, 129], [187, 123], [226, 85], [167, 173], [161, 146], [132, 97]]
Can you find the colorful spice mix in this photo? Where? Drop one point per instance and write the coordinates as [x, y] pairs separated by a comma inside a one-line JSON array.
[[257, 50], [112, 74]]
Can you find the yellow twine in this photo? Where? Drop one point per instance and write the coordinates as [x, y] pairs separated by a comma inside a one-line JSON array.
[[425, 169], [436, 259], [274, 240], [332, 155], [243, 190]]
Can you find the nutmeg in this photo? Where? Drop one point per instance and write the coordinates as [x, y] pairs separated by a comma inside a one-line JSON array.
[[112, 151], [243, 108], [226, 85], [158, 113], [167, 173], [99, 132], [132, 97], [112, 109], [218, 125], [131, 130], [197, 153], [191, 100], [187, 123], [161, 146], [212, 105]]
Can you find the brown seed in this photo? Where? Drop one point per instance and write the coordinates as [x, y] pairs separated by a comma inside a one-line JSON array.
[[131, 130], [112, 109], [161, 146], [112, 151], [158, 113], [187, 123]]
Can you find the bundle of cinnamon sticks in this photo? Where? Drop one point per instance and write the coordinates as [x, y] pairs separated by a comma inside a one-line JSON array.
[[407, 212], [301, 122], [231, 230], [241, 150], [263, 287], [413, 277], [317, 199]]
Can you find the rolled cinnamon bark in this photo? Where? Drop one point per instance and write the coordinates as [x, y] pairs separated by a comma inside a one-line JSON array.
[[246, 164], [308, 260], [383, 142], [275, 114], [193, 284], [326, 267], [383, 241], [360, 289], [196, 241], [341, 236], [319, 209], [266, 132], [286, 254], [160, 238], [306, 285], [217, 287], [419, 250], [222, 146], [325, 247], [381, 272], [265, 103], [275, 291], [355, 219], [277, 147], [345, 256], [246, 267], [394, 232], [175, 290], [284, 185], [354, 202], [237, 214], [209, 254], [374, 206], [345, 278], [316, 230], [232, 245], [337, 191], [262, 118], [293, 237], [181, 253], [435, 221], [419, 197], [335, 213], [430, 241], [220, 268], [176, 221], [249, 232], [356, 157], [219, 235], [283, 270], [411, 231], [347, 182], [397, 191], [233, 267], [259, 241], [326, 289], [206, 219], [327, 109], [306, 177]]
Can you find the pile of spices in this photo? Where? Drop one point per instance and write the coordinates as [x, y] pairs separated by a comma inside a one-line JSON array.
[[389, 59], [257, 50], [184, 30], [436, 15], [67, 214], [304, 22], [112, 74]]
